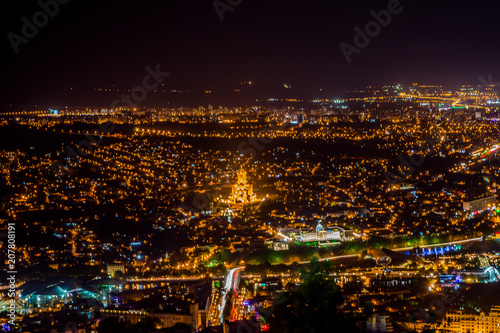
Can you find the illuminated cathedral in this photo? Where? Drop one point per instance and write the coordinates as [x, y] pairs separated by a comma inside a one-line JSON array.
[[242, 192]]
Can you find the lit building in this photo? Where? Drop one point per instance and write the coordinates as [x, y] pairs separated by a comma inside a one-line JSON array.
[[319, 234], [192, 318], [480, 323], [111, 269], [242, 192]]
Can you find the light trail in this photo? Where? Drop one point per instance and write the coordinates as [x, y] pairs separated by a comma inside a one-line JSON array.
[[229, 284]]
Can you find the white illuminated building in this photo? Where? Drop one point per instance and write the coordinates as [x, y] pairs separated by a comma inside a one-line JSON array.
[[320, 234]]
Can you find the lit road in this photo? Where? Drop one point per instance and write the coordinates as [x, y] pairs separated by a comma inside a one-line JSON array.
[[231, 283]]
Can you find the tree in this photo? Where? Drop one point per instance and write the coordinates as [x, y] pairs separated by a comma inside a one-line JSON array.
[[311, 307]]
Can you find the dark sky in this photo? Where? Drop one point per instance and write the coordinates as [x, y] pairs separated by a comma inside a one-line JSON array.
[[97, 43]]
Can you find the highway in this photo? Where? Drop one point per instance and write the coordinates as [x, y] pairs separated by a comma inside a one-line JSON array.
[[231, 283]]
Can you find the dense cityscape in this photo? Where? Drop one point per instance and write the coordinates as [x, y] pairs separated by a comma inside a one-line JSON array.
[[227, 166], [203, 216]]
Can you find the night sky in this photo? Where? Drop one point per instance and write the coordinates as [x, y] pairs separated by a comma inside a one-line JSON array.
[[97, 44]]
